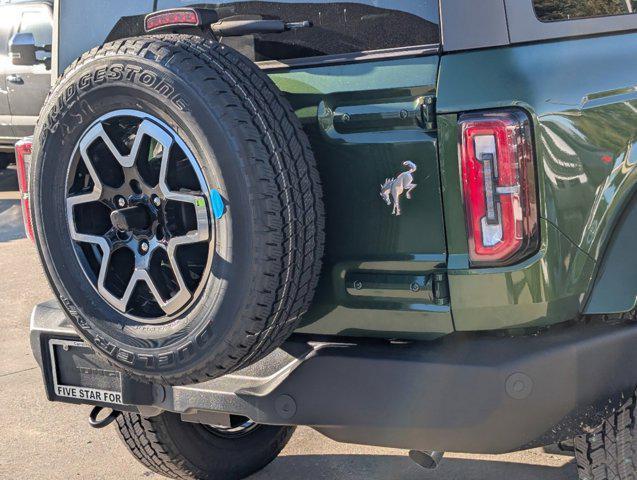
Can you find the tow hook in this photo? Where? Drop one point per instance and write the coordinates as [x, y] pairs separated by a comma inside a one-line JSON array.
[[104, 422], [427, 459]]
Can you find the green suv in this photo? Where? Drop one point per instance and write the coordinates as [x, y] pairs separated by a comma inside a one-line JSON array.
[[405, 223]]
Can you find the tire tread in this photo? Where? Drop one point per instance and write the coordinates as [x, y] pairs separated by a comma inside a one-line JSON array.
[[150, 441], [609, 452]]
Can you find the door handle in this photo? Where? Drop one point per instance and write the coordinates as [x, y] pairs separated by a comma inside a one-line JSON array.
[[17, 79]]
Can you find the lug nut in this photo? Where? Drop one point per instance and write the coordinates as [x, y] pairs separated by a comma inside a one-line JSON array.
[[143, 247], [157, 201], [121, 202]]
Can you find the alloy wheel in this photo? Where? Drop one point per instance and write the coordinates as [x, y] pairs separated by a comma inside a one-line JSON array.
[[138, 213]]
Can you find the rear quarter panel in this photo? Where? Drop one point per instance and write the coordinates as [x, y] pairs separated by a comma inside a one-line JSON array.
[[582, 97]]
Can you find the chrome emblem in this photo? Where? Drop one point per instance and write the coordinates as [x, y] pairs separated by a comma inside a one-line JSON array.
[[393, 188]]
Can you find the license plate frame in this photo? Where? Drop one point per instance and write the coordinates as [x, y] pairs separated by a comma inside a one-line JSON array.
[[76, 392]]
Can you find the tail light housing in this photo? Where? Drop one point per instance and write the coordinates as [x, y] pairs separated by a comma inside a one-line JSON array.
[[23, 162], [499, 189]]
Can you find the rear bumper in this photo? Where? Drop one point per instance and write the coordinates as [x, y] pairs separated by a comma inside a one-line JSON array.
[[463, 393]]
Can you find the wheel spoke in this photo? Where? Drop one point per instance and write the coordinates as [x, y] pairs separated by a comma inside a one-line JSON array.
[[172, 258], [119, 303], [95, 133], [95, 194], [71, 203], [174, 303], [147, 128], [122, 303], [202, 232]]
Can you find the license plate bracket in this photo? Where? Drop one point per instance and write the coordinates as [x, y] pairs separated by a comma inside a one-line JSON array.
[[74, 373]]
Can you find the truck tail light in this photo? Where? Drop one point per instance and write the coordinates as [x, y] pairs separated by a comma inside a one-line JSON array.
[[23, 162], [498, 180]]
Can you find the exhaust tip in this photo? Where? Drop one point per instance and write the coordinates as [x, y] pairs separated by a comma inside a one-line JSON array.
[[426, 459]]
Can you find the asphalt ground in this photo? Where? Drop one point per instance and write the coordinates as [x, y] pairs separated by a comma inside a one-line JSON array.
[[44, 440]]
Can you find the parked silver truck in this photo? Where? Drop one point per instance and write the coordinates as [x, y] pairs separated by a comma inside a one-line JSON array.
[[24, 82]]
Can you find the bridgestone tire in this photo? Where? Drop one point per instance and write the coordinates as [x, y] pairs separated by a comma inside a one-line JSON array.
[[176, 449], [610, 451], [250, 147]]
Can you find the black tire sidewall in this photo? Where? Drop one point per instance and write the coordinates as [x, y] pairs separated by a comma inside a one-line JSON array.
[[192, 338]]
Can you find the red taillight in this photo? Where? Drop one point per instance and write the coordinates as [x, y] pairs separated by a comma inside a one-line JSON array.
[[176, 17], [498, 180], [23, 162]]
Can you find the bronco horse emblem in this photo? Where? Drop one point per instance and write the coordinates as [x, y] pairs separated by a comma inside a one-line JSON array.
[[393, 188]]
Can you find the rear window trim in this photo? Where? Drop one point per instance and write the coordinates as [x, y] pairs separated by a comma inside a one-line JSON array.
[[525, 26], [351, 57], [592, 17]]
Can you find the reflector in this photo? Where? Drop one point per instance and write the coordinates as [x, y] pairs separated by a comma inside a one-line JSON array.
[[23, 162]]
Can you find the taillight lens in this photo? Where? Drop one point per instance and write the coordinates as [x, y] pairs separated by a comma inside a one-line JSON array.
[[23, 162], [171, 18], [498, 180]]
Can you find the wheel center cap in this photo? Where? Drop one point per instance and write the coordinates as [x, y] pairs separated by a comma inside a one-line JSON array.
[[131, 218]]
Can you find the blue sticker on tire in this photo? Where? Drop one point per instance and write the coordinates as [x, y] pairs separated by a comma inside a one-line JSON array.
[[218, 207]]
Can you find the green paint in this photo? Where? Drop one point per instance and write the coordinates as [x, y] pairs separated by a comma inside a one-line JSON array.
[[354, 157], [545, 289], [357, 78]]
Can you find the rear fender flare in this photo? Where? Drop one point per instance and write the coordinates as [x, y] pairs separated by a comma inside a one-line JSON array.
[[615, 285]]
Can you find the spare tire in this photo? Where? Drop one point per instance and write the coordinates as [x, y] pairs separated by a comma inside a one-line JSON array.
[[177, 207]]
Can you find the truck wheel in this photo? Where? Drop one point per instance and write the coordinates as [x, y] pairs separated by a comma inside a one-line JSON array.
[[177, 449], [177, 207], [610, 451]]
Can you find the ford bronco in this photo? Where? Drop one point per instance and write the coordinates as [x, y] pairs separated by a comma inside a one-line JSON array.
[[402, 223]]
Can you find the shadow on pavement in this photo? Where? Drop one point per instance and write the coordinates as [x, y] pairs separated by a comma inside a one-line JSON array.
[[8, 180], [388, 467]]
